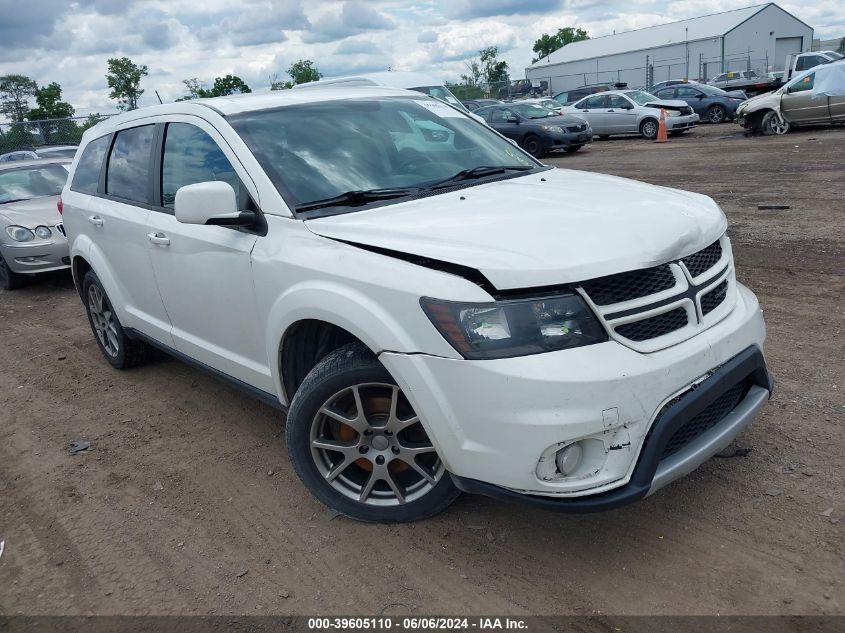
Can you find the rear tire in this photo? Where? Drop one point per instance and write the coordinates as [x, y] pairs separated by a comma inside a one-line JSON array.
[[117, 348], [717, 114], [383, 468], [533, 145], [648, 129], [10, 280]]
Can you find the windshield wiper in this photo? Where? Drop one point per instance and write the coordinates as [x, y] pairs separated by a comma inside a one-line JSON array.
[[358, 197], [15, 200], [478, 172]]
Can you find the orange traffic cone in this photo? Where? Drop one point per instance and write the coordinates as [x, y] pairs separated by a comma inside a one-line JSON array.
[[661, 128]]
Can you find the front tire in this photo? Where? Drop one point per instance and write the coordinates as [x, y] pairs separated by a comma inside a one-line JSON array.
[[772, 124], [10, 280], [533, 145], [648, 129], [117, 348], [359, 447]]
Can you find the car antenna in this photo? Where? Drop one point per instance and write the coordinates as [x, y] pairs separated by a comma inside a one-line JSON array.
[[159, 97]]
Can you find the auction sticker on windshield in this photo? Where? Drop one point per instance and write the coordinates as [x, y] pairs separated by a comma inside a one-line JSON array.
[[441, 109]]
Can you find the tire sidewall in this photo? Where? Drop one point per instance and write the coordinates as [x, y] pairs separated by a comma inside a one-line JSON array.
[[645, 124], [9, 279], [315, 390], [119, 360], [714, 109], [532, 140]]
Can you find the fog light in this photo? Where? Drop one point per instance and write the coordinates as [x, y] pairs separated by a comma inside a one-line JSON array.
[[568, 459]]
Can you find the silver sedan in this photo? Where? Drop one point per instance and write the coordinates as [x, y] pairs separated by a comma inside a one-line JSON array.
[[32, 238], [633, 112]]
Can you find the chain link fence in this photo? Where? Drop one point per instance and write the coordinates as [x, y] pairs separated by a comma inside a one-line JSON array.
[[643, 76], [26, 135]]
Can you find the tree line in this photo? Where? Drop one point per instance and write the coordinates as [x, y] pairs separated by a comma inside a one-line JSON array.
[[124, 78]]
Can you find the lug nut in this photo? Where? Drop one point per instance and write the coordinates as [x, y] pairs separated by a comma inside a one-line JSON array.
[[380, 459], [363, 449], [388, 433], [395, 450], [368, 432]]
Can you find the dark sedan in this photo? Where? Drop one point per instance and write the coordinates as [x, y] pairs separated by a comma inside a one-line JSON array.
[[710, 103], [537, 129], [473, 104]]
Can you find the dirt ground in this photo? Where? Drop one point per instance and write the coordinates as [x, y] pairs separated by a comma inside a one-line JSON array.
[[186, 502]]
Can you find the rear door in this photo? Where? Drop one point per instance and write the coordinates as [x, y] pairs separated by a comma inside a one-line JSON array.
[[204, 273], [113, 213], [799, 105]]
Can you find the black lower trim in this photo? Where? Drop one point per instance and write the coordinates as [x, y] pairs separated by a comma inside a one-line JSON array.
[[748, 365], [267, 398]]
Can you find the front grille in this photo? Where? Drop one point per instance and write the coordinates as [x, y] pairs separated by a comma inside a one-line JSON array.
[[633, 285], [714, 298], [654, 326], [577, 128], [703, 260], [706, 420], [685, 110]]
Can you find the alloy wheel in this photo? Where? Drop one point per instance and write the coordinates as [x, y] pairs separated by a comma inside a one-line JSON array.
[[103, 319], [716, 114], [777, 125], [368, 444], [650, 129]]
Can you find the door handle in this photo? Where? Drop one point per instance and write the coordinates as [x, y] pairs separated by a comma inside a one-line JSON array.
[[96, 220], [159, 239], [611, 110]]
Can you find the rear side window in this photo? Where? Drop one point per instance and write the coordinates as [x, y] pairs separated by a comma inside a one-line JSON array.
[[86, 178], [128, 174], [192, 156]]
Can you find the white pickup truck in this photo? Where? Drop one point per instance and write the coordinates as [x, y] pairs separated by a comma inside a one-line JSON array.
[[805, 61]]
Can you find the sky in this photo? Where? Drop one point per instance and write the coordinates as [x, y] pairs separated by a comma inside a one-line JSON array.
[[69, 41]]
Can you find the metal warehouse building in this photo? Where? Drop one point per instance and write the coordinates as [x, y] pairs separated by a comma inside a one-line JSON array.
[[754, 38]]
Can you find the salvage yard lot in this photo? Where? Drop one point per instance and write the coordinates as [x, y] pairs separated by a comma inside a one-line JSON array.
[[186, 502]]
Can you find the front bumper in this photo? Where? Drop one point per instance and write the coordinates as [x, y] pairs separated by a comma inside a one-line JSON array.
[[568, 139], [686, 122], [37, 257], [653, 472], [499, 421]]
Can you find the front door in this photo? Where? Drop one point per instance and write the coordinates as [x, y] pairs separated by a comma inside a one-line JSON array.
[[204, 273], [619, 117], [799, 105]]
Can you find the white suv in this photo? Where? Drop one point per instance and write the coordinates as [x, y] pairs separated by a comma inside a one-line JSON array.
[[436, 310]]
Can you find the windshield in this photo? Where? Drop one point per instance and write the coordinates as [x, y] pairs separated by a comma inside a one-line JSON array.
[[640, 97], [551, 104], [442, 93], [31, 182], [528, 111], [833, 55], [711, 90], [316, 151]]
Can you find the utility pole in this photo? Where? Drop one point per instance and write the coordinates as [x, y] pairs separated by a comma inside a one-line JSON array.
[[686, 41]]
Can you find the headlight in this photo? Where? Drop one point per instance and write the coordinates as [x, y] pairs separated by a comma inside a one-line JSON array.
[[43, 232], [556, 129], [20, 234], [673, 113], [515, 328]]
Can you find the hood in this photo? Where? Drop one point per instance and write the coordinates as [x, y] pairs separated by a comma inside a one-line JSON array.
[[766, 99], [553, 227], [31, 213]]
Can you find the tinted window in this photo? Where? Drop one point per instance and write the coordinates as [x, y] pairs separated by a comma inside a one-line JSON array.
[[617, 101], [192, 156], [593, 103], [686, 91], [666, 93], [87, 174], [129, 164]]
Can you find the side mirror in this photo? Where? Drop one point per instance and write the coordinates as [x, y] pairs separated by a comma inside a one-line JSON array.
[[700, 96], [212, 202]]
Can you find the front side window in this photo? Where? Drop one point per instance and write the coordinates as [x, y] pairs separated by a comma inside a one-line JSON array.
[[618, 102], [86, 178], [686, 91], [26, 183], [722, 77], [805, 83], [192, 156], [128, 173], [316, 151]]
